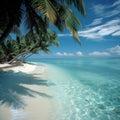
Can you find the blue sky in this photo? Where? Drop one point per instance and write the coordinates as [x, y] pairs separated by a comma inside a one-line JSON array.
[[99, 34]]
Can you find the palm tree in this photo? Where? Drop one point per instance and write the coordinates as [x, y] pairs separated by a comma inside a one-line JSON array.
[[10, 16], [39, 15], [8, 50], [32, 43], [2, 54], [26, 45]]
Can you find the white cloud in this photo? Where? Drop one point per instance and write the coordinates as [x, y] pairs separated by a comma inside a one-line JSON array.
[[108, 30], [98, 29], [116, 3], [59, 54], [116, 33], [107, 10], [115, 50], [96, 21], [79, 53], [64, 54], [113, 13], [67, 54], [111, 51], [99, 9], [99, 54], [64, 35], [98, 32]]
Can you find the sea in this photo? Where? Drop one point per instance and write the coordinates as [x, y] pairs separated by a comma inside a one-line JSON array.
[[85, 88]]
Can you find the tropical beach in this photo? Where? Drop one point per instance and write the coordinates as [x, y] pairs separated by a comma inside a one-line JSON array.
[[60, 60], [26, 95], [61, 89]]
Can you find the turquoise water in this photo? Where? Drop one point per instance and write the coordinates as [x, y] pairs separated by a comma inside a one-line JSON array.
[[87, 89]]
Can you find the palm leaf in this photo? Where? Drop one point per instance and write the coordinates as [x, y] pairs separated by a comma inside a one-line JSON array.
[[16, 30], [48, 9], [79, 4], [14, 16], [33, 20], [72, 23]]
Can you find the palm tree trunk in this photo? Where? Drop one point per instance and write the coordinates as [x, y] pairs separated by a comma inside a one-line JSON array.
[[15, 58]]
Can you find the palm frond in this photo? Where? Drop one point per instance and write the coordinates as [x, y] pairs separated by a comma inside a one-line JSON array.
[[16, 30], [72, 23], [46, 7], [30, 21], [79, 4], [33, 20], [14, 15]]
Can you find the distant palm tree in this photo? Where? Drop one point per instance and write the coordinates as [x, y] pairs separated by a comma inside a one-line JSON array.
[[32, 43], [39, 14], [9, 50]]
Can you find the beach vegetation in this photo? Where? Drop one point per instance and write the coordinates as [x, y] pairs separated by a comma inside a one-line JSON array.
[[38, 16]]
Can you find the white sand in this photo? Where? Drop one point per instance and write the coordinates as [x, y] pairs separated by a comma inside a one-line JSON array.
[[37, 107], [26, 68]]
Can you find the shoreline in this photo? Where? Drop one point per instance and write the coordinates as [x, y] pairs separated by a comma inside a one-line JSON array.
[[34, 98]]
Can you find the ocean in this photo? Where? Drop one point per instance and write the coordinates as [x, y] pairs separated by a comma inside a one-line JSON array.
[[85, 88]]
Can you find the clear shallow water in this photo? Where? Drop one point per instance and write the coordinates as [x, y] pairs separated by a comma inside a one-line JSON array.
[[87, 89]]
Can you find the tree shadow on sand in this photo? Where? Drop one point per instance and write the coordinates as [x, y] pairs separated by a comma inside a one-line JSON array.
[[11, 90]]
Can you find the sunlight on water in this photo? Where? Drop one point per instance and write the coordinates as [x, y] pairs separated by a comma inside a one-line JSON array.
[[87, 89]]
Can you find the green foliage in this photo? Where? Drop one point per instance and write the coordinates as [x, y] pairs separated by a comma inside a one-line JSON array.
[[57, 12], [38, 15], [2, 53], [8, 50], [27, 44]]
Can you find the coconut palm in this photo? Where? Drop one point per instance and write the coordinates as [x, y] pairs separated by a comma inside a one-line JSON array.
[[26, 45], [32, 43], [39, 14], [9, 50]]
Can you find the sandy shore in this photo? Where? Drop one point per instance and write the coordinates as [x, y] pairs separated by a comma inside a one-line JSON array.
[[25, 94]]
